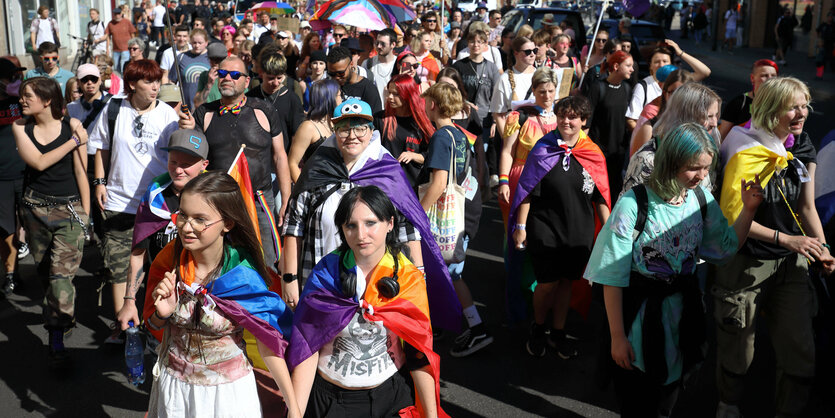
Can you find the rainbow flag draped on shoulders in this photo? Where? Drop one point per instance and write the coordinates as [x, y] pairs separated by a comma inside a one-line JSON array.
[[153, 214], [240, 293], [324, 311], [549, 151], [745, 153]]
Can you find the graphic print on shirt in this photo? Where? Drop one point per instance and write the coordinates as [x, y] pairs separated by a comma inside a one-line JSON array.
[[363, 350], [679, 242]]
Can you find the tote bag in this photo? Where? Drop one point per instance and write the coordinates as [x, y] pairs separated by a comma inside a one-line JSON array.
[[446, 215]]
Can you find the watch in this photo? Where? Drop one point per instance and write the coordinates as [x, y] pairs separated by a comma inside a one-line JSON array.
[[289, 278]]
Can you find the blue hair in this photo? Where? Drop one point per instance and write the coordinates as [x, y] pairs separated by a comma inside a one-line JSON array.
[[676, 150], [323, 95]]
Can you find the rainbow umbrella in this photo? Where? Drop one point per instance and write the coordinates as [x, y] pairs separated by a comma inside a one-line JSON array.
[[272, 7], [366, 14]]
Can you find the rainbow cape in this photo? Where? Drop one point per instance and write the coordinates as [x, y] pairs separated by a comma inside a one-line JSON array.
[[240, 293], [324, 311], [377, 167], [153, 214], [544, 156], [745, 153]]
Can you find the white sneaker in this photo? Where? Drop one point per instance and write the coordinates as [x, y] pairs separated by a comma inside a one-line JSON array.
[[724, 410]]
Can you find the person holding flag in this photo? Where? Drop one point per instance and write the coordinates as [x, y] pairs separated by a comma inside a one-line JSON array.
[[390, 330], [209, 285], [771, 271], [237, 120]]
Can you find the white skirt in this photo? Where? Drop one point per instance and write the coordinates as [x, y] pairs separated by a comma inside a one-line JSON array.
[[171, 397]]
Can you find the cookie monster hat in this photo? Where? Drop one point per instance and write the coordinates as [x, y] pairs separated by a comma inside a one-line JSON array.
[[352, 108]]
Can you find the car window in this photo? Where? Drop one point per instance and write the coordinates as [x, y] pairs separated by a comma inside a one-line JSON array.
[[535, 18], [512, 19]]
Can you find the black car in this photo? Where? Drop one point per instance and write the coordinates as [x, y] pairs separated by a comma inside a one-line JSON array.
[[515, 18], [648, 35]]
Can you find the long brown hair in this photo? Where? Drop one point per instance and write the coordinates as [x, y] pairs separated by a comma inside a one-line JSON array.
[[222, 192], [46, 89]]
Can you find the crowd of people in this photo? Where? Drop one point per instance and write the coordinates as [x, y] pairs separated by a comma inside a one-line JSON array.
[[317, 289]]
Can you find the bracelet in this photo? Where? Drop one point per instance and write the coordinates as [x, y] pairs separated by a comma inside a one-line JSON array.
[[520, 227], [100, 181], [129, 298], [77, 141], [825, 245], [503, 179], [777, 237], [161, 318]]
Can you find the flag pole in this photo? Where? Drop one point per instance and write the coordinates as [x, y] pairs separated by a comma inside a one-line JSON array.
[[593, 39], [174, 51], [237, 156]]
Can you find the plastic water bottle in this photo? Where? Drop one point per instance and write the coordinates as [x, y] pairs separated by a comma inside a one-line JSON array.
[[135, 355]]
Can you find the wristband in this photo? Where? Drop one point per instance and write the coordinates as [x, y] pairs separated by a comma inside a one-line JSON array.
[[777, 237], [503, 179], [825, 245], [520, 227], [161, 318], [100, 181], [77, 141], [289, 278]]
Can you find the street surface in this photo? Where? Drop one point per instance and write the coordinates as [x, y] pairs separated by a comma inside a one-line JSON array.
[[500, 381]]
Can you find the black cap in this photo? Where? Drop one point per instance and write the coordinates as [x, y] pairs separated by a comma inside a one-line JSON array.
[[352, 44], [318, 55], [8, 68]]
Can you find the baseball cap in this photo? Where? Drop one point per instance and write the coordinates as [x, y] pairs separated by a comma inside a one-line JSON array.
[[8, 68], [169, 93], [352, 44], [189, 141], [304, 25], [283, 35], [352, 108], [85, 70], [216, 50]]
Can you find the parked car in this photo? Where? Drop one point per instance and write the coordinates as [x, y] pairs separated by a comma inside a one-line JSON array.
[[515, 18], [647, 35]]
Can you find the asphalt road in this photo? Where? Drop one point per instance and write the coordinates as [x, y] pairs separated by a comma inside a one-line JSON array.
[[500, 381]]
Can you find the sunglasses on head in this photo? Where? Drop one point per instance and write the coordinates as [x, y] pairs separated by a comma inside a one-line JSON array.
[[89, 79], [234, 74], [529, 51]]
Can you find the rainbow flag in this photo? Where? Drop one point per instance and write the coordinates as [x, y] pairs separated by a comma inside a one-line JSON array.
[[240, 172], [471, 137]]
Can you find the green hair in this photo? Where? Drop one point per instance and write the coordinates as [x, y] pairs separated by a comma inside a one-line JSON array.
[[774, 98], [676, 150]]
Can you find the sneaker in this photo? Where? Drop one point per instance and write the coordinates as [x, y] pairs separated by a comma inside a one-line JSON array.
[[494, 181], [58, 355], [116, 335], [565, 344], [9, 285], [536, 342], [469, 342], [22, 251], [724, 410]]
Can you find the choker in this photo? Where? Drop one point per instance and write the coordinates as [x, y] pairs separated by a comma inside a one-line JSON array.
[[614, 86]]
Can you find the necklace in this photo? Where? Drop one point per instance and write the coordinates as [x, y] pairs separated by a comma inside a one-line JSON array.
[[479, 75], [614, 86]]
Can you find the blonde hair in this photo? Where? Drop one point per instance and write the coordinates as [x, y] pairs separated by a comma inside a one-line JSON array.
[[446, 97], [544, 75], [774, 98], [417, 40], [525, 31]]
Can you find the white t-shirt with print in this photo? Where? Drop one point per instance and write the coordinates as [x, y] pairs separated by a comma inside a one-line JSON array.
[[135, 159]]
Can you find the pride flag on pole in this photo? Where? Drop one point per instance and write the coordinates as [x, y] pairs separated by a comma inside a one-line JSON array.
[[240, 172]]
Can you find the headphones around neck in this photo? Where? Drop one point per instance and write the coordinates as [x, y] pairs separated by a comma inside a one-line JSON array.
[[388, 287]]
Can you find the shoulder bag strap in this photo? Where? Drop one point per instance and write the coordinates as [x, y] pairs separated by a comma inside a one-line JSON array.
[[643, 207]]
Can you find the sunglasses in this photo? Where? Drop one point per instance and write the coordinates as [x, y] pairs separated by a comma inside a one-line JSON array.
[[529, 51], [49, 58], [234, 74], [89, 79], [338, 35], [430, 20], [601, 40], [414, 66], [338, 74], [134, 48]]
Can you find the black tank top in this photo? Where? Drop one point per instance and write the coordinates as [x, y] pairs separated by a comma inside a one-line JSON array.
[[59, 178]]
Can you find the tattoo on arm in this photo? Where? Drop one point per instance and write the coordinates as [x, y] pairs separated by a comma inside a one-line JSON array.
[[137, 281]]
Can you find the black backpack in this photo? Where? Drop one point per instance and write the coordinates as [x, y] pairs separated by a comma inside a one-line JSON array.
[[643, 207]]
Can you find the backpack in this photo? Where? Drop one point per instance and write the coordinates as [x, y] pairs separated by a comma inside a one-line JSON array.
[[643, 207]]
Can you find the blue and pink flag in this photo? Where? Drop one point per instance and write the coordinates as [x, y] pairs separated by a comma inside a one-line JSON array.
[[153, 214], [825, 185]]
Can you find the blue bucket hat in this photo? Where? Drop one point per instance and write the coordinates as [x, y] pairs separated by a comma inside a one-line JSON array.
[[352, 108]]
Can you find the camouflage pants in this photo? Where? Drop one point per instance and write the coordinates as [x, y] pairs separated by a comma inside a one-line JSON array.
[[56, 228], [116, 244]]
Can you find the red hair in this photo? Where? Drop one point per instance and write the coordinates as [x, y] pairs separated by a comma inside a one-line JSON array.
[[409, 93], [141, 70], [617, 58], [766, 63]]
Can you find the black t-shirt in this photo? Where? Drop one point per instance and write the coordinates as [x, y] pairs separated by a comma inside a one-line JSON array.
[[773, 212], [158, 240], [738, 110], [407, 137], [608, 121], [186, 10], [365, 91], [287, 105], [11, 165], [562, 208], [226, 133], [438, 157]]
